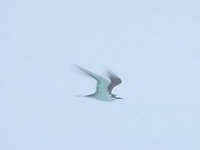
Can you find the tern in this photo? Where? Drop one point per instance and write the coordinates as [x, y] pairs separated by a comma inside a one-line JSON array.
[[104, 87]]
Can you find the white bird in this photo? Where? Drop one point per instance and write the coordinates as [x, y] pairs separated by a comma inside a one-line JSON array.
[[104, 87]]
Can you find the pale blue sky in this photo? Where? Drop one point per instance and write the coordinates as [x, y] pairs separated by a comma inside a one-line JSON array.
[[152, 45]]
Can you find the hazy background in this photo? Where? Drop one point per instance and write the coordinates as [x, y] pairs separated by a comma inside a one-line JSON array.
[[152, 45]]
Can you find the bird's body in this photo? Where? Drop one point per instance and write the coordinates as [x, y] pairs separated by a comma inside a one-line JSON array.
[[103, 97], [104, 87]]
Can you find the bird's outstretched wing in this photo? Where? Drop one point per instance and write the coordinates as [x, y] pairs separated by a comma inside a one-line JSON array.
[[114, 81], [102, 83]]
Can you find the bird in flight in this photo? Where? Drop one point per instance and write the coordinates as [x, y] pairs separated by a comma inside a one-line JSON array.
[[104, 87]]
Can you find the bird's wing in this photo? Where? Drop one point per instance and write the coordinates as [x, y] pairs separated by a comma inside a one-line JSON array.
[[102, 83], [114, 81]]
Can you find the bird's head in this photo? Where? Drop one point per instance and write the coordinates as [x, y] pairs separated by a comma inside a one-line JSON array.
[[116, 97]]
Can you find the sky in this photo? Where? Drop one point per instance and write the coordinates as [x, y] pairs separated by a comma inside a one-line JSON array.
[[152, 45]]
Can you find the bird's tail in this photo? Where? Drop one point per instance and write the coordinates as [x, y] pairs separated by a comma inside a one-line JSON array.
[[80, 95], [84, 95]]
